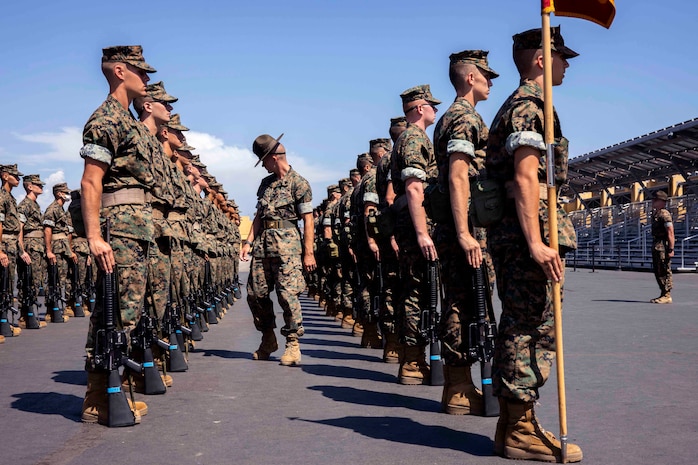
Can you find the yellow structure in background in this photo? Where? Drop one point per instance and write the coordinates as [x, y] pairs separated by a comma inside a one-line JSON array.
[[245, 226]]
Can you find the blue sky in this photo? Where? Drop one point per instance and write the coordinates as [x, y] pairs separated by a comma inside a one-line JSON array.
[[328, 74]]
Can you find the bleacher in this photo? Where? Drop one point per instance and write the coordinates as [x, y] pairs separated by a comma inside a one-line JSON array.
[[620, 236]]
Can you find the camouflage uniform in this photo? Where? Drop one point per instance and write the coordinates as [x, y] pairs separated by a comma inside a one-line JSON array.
[[661, 261], [460, 130], [276, 252], [33, 236], [412, 157], [10, 219], [525, 346], [114, 137], [56, 218], [343, 218]]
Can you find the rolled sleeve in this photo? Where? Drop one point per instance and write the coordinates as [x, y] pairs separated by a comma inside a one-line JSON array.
[[96, 152], [371, 197], [305, 207], [413, 173], [49, 223], [460, 146], [524, 139], [22, 218]]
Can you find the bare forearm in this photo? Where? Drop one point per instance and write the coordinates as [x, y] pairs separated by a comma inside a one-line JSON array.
[[415, 204], [308, 233]]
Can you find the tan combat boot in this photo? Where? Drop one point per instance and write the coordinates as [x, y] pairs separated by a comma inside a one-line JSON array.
[[2, 339], [663, 299], [348, 319], [68, 311], [267, 346], [525, 439], [292, 355], [357, 330], [371, 338], [16, 330], [414, 369], [95, 407], [391, 351], [501, 432], [461, 397]]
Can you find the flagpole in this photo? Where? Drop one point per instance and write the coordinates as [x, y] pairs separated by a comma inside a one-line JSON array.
[[549, 139]]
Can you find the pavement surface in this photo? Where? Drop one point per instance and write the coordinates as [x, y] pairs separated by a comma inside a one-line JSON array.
[[631, 371]]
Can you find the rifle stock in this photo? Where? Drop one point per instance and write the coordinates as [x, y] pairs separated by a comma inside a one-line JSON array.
[[429, 323], [54, 301], [6, 303], [77, 293]]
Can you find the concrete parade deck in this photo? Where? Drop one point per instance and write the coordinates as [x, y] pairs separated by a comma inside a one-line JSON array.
[[631, 369]]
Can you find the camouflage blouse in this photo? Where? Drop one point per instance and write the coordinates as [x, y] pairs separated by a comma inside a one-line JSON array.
[[9, 216], [32, 212]]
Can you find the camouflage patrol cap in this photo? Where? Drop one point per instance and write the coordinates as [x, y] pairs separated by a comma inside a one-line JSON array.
[[474, 57], [33, 179], [10, 169], [333, 188], [186, 148], [532, 40], [131, 54], [384, 143], [399, 121], [196, 161], [362, 159], [354, 171], [345, 182], [660, 195], [215, 184], [176, 123], [421, 92], [157, 92], [61, 187]]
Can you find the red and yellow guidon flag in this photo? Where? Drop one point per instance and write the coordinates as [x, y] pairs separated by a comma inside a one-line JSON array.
[[598, 11]]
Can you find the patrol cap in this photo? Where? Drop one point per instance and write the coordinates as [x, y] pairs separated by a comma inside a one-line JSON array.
[[660, 195], [400, 122], [354, 171], [186, 148], [10, 169], [421, 92], [474, 57], [33, 179], [264, 145], [333, 188], [157, 92], [175, 123], [61, 187], [196, 161], [532, 40], [362, 159], [345, 182], [381, 143], [131, 54]]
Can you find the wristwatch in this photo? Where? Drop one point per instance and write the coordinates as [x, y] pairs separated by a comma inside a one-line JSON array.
[[248, 243]]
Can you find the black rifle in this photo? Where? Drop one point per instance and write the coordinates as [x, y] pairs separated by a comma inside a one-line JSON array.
[[90, 289], [376, 294], [172, 327], [6, 307], [209, 295], [110, 350], [143, 338], [77, 293], [356, 304], [429, 325], [482, 338], [54, 300], [194, 317], [29, 301], [236, 287]]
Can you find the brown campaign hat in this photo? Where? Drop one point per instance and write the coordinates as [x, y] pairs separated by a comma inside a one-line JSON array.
[[131, 54], [474, 57], [532, 40], [157, 92], [264, 145], [421, 92], [10, 169]]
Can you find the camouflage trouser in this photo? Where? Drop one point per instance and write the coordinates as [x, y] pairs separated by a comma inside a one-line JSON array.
[[286, 275], [458, 307], [36, 249], [11, 248], [366, 264], [348, 279], [413, 273], [61, 248], [391, 288], [159, 273], [197, 270], [179, 279], [131, 256], [525, 347], [661, 265]]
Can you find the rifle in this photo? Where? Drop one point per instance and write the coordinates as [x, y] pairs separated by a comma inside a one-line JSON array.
[[110, 350], [356, 309], [54, 300], [194, 317], [29, 302], [144, 337], [429, 324], [376, 295], [172, 326], [236, 287], [6, 303], [90, 289], [77, 296], [482, 339], [209, 295]]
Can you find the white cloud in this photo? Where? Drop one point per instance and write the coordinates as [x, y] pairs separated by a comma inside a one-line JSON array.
[[64, 146]]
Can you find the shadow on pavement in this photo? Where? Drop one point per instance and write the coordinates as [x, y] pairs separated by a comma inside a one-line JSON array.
[[223, 353], [49, 403], [348, 372], [378, 399], [330, 354], [326, 332], [407, 431], [623, 301], [76, 377], [325, 342]]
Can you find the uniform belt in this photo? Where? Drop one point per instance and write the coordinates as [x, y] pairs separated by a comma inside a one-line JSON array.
[[126, 196], [37, 233], [59, 236], [8, 236], [542, 190], [176, 216], [279, 224]]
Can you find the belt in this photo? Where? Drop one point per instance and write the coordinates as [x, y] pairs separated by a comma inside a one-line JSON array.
[[176, 216], [280, 224], [542, 190], [126, 196], [8, 236], [37, 233], [59, 236]]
